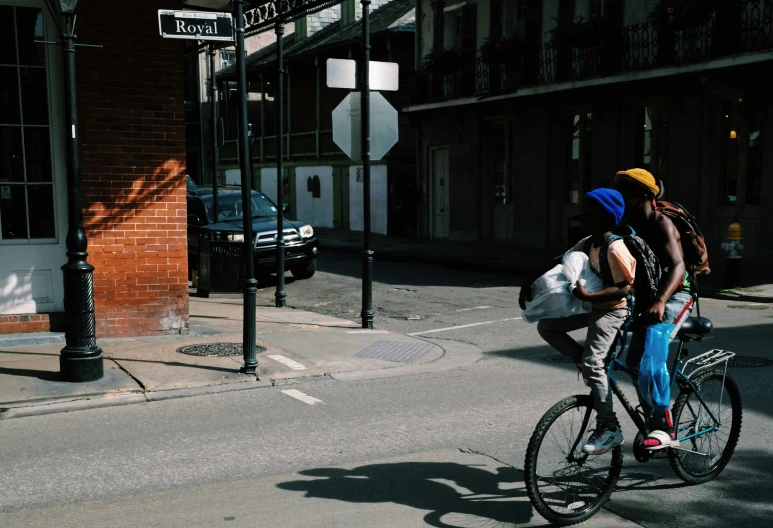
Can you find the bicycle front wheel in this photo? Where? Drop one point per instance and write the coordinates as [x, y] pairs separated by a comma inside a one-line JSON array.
[[565, 485], [705, 445]]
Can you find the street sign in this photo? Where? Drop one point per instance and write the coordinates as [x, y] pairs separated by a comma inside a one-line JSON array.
[[342, 73], [196, 25], [347, 133]]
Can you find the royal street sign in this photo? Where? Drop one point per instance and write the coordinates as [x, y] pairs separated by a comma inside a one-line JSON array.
[[196, 25]]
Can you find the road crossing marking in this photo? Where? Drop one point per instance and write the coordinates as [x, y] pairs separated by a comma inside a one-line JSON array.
[[286, 361], [305, 398], [474, 308], [465, 326]]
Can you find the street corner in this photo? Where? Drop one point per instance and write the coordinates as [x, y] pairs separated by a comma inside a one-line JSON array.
[[291, 320], [163, 364], [399, 355], [279, 366], [29, 378], [353, 353]]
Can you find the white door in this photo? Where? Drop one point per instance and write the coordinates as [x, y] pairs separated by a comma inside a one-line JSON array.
[[33, 190], [441, 192]]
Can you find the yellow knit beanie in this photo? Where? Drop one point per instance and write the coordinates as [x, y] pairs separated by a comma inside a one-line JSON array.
[[640, 176]]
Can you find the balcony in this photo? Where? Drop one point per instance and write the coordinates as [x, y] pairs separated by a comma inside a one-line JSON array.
[[746, 26]]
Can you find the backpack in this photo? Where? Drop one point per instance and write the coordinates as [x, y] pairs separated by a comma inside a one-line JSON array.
[[648, 269], [696, 258]]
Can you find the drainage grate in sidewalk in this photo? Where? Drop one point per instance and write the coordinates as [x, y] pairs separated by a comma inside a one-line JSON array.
[[216, 349], [398, 351]]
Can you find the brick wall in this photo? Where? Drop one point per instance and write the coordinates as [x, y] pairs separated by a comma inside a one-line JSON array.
[[132, 130]]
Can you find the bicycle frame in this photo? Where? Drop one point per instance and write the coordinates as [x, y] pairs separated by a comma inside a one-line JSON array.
[[676, 374]]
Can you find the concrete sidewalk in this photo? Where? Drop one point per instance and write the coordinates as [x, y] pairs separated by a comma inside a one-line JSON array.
[[294, 346], [507, 258]]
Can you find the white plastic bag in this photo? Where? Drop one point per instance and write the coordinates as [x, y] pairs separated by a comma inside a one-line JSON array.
[[551, 294]]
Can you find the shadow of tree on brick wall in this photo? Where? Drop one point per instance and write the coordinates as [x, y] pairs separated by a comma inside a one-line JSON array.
[[133, 203]]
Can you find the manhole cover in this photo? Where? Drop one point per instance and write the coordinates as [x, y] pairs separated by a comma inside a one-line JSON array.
[[749, 307], [216, 349], [749, 362], [398, 351]]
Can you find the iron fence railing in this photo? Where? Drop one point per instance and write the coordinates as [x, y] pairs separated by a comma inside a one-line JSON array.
[[640, 46], [756, 24], [548, 62]]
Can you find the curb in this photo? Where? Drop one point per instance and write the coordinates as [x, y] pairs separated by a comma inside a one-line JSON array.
[[32, 338], [741, 297], [43, 407], [476, 266]]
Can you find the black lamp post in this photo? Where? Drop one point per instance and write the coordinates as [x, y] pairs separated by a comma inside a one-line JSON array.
[[250, 283], [81, 359]]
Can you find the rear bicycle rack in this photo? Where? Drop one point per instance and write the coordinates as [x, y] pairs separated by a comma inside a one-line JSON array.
[[707, 360]]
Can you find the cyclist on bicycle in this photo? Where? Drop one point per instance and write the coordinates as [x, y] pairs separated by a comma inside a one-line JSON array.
[[674, 302], [613, 262]]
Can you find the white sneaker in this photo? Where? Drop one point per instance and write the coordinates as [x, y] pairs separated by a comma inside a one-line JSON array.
[[602, 440]]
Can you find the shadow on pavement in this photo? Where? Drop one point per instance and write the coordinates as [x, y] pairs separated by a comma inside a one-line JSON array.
[[420, 485], [399, 273], [44, 375], [738, 497]]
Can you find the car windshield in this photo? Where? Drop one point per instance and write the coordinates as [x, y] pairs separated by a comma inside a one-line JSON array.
[[229, 207]]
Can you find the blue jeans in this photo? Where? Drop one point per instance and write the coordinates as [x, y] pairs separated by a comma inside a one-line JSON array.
[[675, 307]]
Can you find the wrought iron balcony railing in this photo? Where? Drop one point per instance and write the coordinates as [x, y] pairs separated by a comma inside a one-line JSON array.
[[746, 27]]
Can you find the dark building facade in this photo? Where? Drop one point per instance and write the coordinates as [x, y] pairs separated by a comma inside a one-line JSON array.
[[548, 99]]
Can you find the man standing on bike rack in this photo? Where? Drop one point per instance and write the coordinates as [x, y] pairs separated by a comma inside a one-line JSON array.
[[612, 261], [674, 301]]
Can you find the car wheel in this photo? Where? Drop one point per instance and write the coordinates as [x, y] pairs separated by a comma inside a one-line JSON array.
[[305, 271]]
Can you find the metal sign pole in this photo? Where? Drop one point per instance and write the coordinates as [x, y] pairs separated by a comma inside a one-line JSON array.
[[281, 295], [250, 284], [367, 254], [213, 101]]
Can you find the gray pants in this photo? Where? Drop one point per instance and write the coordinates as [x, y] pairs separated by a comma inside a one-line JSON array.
[[603, 326], [675, 308]]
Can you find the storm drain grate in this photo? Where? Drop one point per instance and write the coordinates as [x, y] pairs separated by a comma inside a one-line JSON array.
[[750, 307], [216, 349], [749, 362], [398, 351]]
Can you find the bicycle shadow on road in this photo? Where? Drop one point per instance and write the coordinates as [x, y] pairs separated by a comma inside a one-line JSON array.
[[451, 492]]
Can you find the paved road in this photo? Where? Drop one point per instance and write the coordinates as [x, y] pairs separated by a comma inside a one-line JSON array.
[[441, 449]]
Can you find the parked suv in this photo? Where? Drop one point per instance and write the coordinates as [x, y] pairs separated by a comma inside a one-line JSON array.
[[301, 246]]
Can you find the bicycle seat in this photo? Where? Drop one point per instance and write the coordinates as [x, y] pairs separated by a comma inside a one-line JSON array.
[[697, 326]]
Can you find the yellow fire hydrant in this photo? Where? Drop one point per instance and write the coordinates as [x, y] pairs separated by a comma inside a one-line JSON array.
[[733, 249]]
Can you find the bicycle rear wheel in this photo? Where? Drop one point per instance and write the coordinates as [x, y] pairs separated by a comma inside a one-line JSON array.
[[701, 458], [565, 485]]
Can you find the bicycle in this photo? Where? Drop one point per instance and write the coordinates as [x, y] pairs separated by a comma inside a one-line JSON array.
[[567, 486]]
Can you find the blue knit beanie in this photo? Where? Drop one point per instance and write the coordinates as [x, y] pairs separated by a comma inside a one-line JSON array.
[[609, 200]]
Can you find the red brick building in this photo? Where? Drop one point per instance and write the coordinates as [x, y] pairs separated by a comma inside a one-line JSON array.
[[132, 146]]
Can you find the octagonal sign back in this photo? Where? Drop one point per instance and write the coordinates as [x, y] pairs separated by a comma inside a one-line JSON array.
[[383, 126]]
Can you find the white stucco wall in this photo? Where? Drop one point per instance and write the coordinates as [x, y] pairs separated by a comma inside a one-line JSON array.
[[378, 200], [318, 212], [268, 183], [233, 177]]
